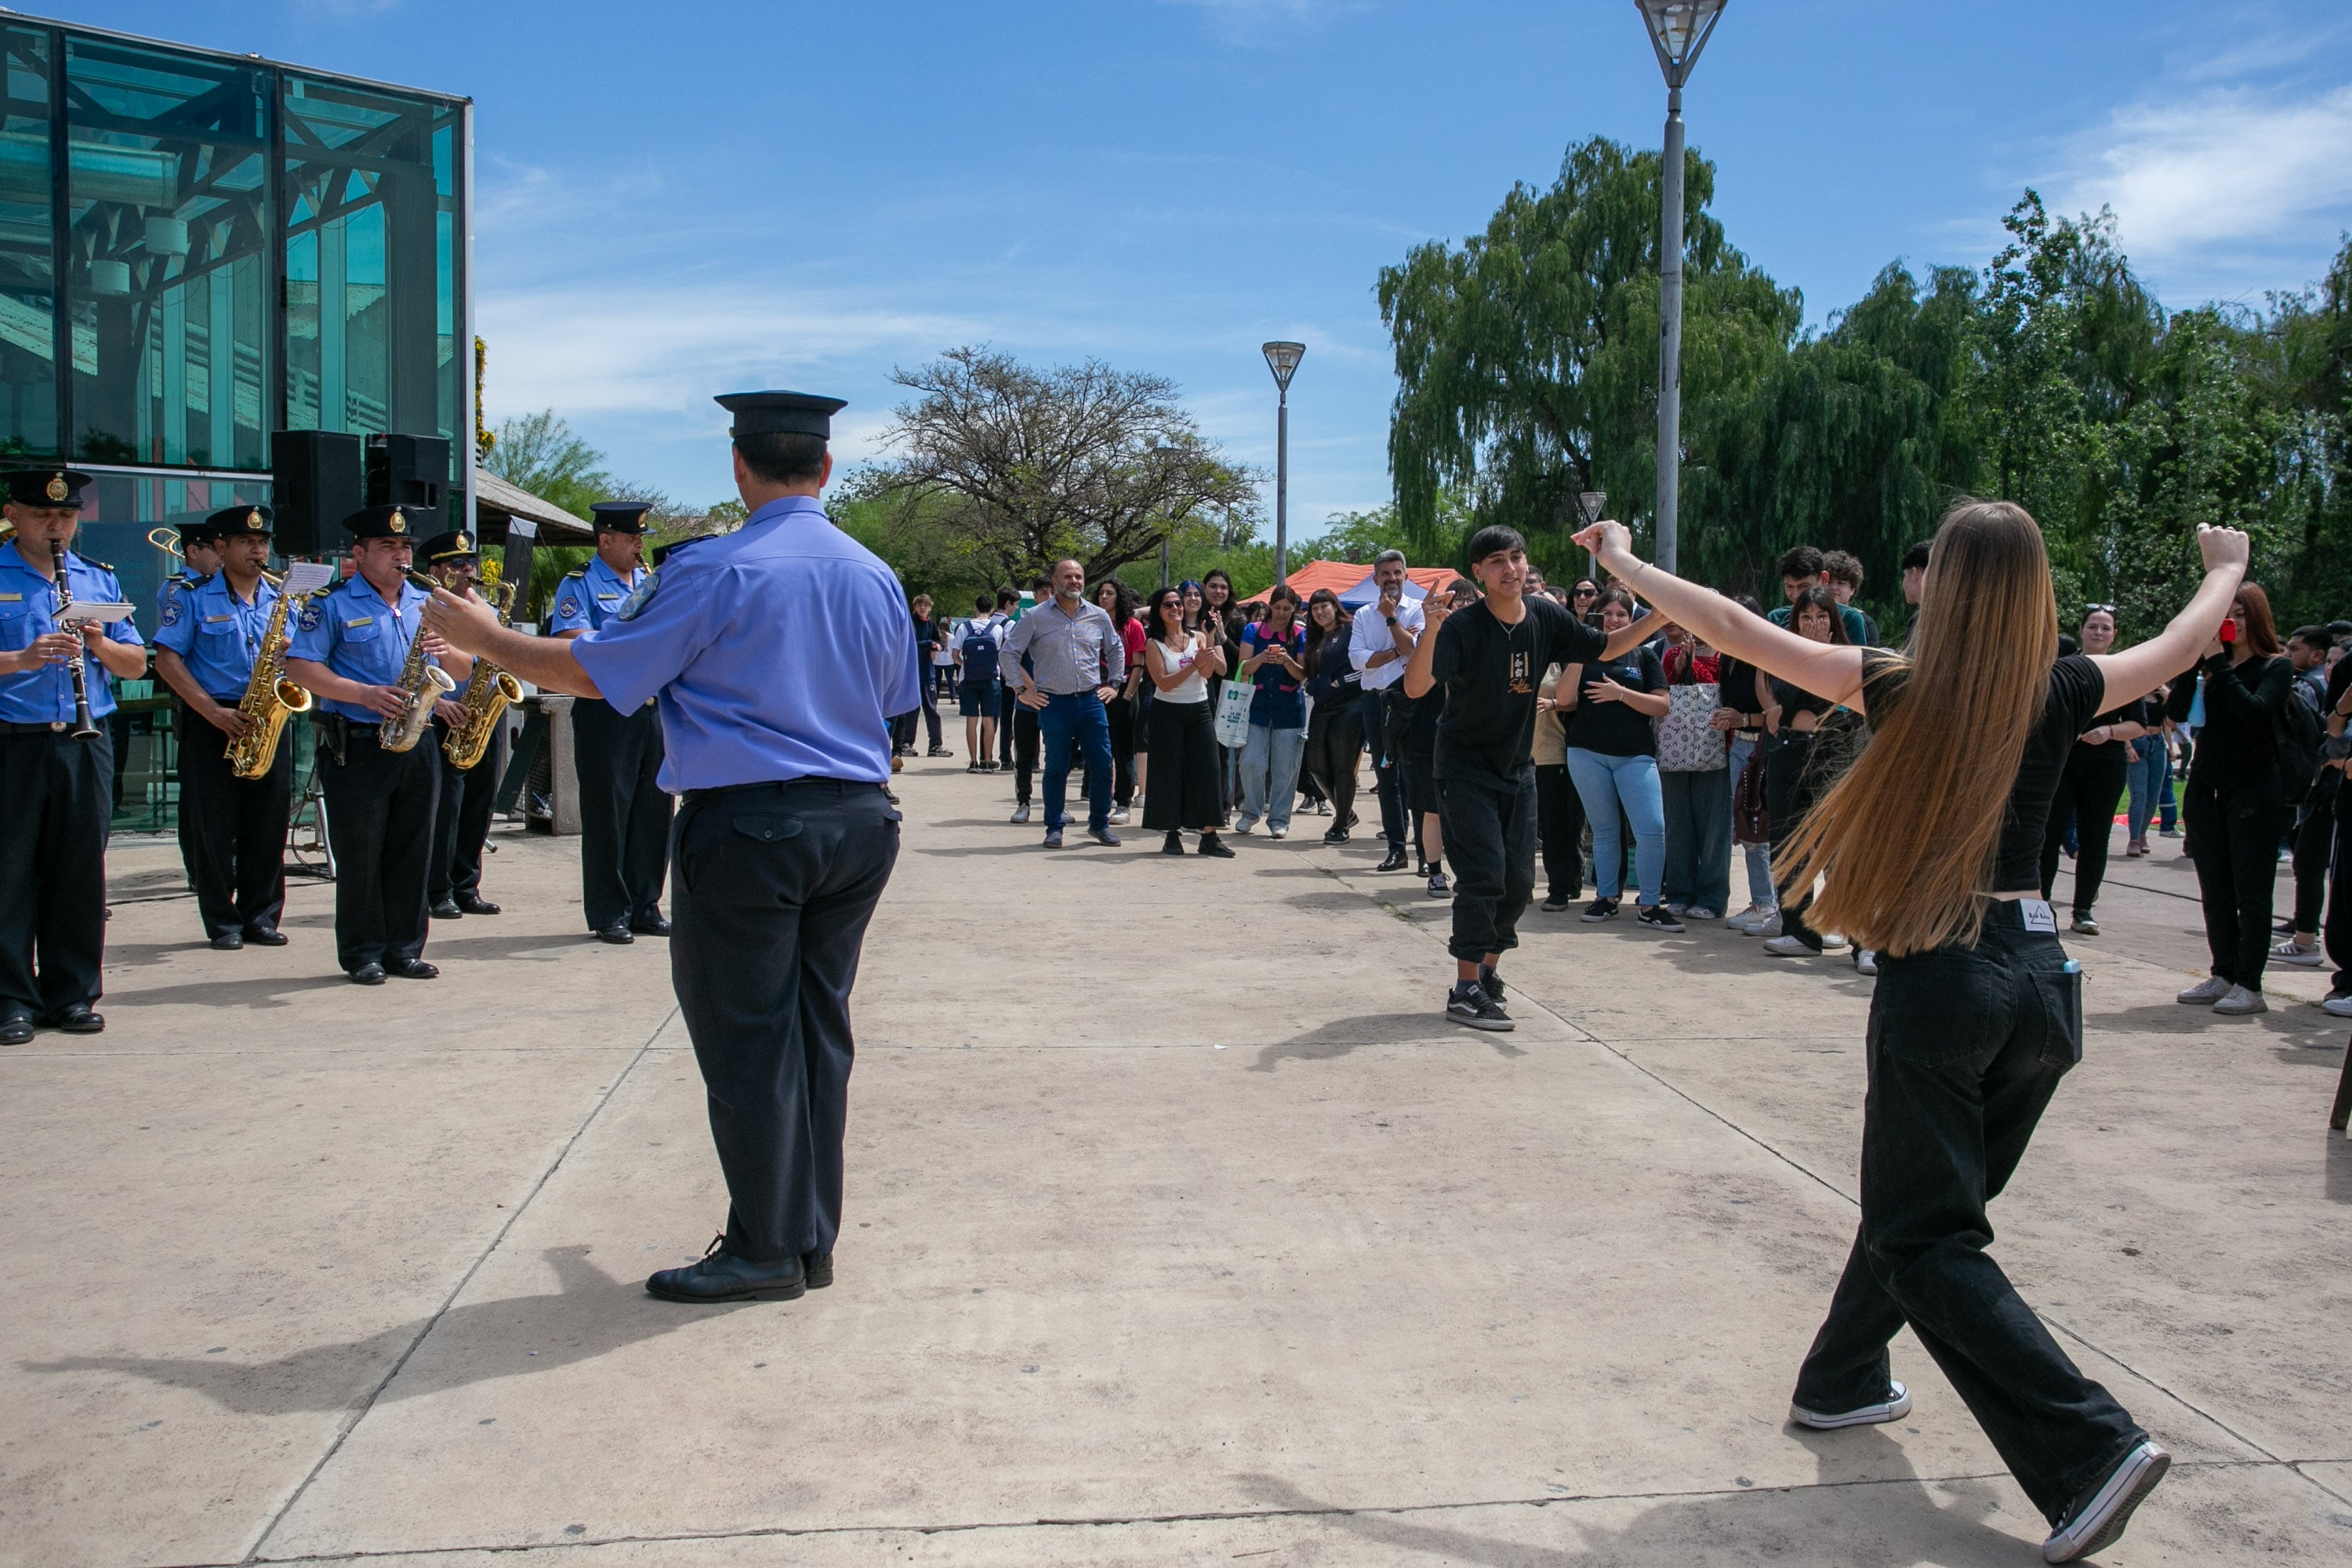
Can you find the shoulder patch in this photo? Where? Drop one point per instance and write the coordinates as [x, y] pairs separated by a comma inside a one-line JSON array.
[[639, 598], [313, 617], [568, 605], [172, 611]]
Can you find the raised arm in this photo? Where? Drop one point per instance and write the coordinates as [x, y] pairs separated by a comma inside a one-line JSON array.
[[1827, 669], [2137, 671]]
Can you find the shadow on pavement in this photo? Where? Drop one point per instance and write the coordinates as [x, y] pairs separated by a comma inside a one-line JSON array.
[[1340, 1036], [590, 1315]]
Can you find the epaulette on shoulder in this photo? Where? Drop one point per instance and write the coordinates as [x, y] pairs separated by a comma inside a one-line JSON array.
[[692, 538], [576, 571], [101, 566]]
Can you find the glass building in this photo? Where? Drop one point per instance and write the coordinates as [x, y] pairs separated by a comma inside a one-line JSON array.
[[198, 249]]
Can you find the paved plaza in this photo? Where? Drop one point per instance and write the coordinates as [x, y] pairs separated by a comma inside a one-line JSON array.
[[1180, 1230]]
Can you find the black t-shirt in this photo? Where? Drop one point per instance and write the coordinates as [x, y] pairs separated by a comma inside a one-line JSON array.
[[2076, 688], [1489, 673], [1736, 680], [1612, 729]]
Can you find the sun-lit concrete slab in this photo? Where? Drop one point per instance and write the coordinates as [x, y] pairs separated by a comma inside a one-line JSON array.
[[1179, 1221]]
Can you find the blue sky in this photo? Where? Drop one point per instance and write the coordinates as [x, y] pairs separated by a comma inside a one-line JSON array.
[[705, 197]]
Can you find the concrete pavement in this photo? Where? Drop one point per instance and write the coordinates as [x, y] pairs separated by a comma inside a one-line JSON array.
[[1180, 1230]]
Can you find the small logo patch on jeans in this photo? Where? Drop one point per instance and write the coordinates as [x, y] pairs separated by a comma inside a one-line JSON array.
[[2039, 916]]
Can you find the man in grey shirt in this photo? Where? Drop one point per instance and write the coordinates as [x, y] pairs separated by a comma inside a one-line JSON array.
[[1075, 663]]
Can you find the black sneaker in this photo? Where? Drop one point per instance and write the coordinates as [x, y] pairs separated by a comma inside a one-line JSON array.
[[1657, 917], [1491, 984], [1558, 903], [1173, 844], [2095, 1520], [1213, 845], [1600, 909], [1468, 1004], [1335, 835]]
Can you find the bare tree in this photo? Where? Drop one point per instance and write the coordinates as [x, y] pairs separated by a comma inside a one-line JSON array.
[[1079, 461]]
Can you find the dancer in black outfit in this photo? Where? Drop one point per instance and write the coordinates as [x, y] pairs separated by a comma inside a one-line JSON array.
[[1978, 1011]]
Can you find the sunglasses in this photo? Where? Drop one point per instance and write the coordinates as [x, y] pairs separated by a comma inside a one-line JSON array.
[[2095, 609]]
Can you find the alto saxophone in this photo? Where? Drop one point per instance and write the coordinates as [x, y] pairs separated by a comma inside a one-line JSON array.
[[424, 684], [269, 697], [486, 697]]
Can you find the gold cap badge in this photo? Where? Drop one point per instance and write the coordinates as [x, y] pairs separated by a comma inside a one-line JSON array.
[[399, 523], [59, 490], [253, 520]]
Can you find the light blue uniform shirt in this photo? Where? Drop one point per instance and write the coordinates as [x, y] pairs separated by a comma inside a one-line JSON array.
[[354, 633], [28, 603], [216, 634], [586, 602], [778, 652], [169, 590]]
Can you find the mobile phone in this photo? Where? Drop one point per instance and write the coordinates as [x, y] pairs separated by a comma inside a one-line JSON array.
[[2228, 633]]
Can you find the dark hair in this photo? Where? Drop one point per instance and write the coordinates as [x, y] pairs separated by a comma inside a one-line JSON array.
[[2309, 636], [1041, 585], [1494, 539], [1613, 595], [1915, 558], [2340, 630], [1317, 639], [1584, 585], [1843, 567], [1800, 561], [2261, 632], [982, 603], [1212, 575], [1004, 596], [1817, 596], [1153, 626], [783, 456], [1123, 608]]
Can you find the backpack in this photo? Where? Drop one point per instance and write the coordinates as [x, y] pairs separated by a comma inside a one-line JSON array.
[[980, 652], [2299, 736]]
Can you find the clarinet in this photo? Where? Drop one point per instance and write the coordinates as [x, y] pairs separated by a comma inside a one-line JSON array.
[[83, 729]]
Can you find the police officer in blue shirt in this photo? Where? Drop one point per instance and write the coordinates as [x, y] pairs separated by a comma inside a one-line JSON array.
[[461, 823], [350, 650], [777, 727], [199, 560], [59, 784], [624, 814], [232, 830]]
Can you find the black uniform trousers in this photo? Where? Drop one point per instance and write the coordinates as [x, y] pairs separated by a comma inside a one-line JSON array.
[[61, 795], [775, 885], [233, 830], [1560, 828], [625, 818], [461, 823], [380, 807]]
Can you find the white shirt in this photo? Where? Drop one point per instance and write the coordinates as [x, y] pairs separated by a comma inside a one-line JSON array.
[[1194, 688], [1368, 635]]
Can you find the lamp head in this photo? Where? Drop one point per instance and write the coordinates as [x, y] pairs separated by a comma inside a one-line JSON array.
[[1282, 360], [1679, 29]]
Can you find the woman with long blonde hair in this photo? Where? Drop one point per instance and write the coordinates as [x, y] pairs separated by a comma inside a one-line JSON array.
[[1931, 842]]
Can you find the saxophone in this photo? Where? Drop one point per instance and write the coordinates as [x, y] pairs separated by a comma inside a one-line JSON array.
[[269, 697], [425, 684], [488, 695]]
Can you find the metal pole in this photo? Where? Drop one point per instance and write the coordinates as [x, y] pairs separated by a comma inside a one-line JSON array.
[[1670, 336], [1282, 490], [1164, 561]]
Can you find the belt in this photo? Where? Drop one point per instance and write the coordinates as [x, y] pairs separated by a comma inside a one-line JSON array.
[[56, 727], [837, 786]]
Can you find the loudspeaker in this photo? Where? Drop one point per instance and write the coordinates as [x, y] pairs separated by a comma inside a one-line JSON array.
[[407, 470], [318, 478]]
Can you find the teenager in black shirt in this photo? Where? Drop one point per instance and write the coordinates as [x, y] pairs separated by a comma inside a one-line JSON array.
[[1489, 658], [1612, 707], [1932, 840]]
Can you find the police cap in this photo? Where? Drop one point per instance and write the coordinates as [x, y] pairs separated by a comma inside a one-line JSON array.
[[232, 522], [47, 486], [393, 522], [620, 516], [782, 413], [454, 545]]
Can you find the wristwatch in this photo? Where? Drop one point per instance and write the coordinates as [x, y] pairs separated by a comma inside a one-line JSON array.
[[1391, 619]]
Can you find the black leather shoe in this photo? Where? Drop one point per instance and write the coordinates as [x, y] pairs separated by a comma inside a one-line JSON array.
[[656, 926], [79, 1019], [368, 974], [475, 904], [817, 1267], [1394, 862], [15, 1029], [413, 969], [265, 936], [617, 933], [229, 941], [723, 1277], [447, 909]]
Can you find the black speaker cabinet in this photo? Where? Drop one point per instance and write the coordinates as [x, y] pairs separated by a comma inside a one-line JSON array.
[[408, 470], [318, 478]]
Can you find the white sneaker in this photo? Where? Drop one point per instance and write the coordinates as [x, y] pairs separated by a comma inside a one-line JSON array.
[[2341, 1006], [1832, 942], [1897, 1406], [1767, 924], [2240, 1002], [2294, 953], [1791, 947], [1678, 911], [1866, 961], [1118, 815], [1278, 833], [1700, 913], [1242, 829], [2205, 993], [1747, 921]]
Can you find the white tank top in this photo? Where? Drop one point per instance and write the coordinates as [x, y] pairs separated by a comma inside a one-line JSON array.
[[1194, 689]]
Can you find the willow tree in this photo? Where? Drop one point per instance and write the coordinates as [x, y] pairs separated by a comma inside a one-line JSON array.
[[1526, 357]]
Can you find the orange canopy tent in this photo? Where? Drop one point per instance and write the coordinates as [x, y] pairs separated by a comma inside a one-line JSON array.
[[1341, 575]]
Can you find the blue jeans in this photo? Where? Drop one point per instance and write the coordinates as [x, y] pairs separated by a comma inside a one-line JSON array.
[[1606, 785], [1270, 774], [1761, 891], [1077, 717], [1698, 839], [2149, 769]]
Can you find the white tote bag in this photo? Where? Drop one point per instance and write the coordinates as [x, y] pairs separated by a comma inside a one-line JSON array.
[[1233, 714]]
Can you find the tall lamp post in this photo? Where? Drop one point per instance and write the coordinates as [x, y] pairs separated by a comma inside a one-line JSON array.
[[1679, 29], [1282, 360]]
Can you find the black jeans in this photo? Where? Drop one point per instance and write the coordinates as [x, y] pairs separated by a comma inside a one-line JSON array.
[[1490, 836], [2087, 793], [2233, 839], [1335, 743], [2315, 842], [1023, 728], [1965, 1047], [1120, 712], [2338, 932], [1789, 787], [775, 885], [1387, 782], [1560, 828]]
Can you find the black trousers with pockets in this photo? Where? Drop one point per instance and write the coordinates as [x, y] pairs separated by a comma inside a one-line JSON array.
[[61, 795], [2087, 793], [775, 885], [2234, 840], [1490, 836], [380, 807], [625, 818], [233, 830], [461, 825]]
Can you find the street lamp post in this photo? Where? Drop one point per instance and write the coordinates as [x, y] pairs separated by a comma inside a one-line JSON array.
[[1678, 30], [1282, 360]]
